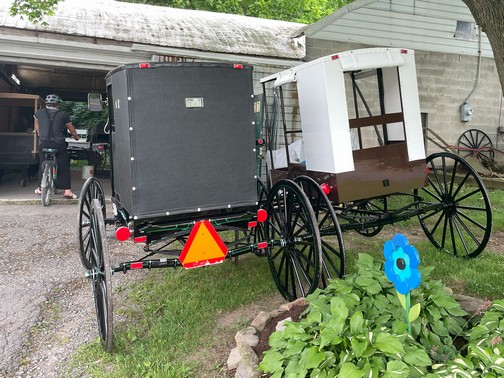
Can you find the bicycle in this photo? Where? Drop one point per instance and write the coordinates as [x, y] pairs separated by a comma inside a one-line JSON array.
[[49, 174]]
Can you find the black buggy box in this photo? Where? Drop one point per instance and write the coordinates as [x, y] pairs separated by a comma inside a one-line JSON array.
[[182, 137]]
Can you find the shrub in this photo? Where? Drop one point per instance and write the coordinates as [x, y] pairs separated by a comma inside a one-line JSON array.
[[356, 328]]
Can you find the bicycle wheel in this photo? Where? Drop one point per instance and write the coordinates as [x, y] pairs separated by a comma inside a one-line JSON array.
[[46, 184]]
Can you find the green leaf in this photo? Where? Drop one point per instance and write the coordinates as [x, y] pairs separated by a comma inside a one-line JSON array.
[[365, 262], [444, 300], [271, 362], [414, 312], [356, 321], [484, 354], [349, 370], [434, 312], [330, 360], [402, 299], [381, 302], [439, 328], [396, 369], [338, 308], [311, 358], [359, 347], [399, 327], [294, 347], [330, 336], [478, 332], [498, 305], [456, 311], [464, 363], [416, 357], [388, 344]]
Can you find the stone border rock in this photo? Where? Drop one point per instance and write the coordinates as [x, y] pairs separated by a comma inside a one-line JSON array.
[[243, 357]]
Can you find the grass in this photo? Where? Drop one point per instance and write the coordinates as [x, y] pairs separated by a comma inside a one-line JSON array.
[[171, 317], [168, 324]]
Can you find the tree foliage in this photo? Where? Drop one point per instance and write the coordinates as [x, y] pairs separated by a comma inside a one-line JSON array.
[[34, 10], [303, 11]]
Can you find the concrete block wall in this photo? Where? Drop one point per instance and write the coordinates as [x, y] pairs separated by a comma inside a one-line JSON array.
[[444, 82]]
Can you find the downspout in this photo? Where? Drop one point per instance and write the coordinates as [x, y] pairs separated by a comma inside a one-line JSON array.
[[466, 110]]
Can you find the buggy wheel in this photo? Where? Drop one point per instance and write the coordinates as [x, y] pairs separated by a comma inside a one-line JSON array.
[[101, 274], [45, 184], [294, 250], [333, 249], [90, 190], [475, 143], [375, 205], [457, 216]]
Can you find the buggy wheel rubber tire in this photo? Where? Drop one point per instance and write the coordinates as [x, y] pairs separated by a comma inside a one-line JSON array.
[[457, 215], [91, 190], [333, 249], [294, 245], [102, 277]]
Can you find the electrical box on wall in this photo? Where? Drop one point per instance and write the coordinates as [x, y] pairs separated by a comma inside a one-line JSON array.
[[466, 112]]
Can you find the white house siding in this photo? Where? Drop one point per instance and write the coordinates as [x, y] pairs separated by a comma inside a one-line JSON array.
[[420, 24], [446, 68]]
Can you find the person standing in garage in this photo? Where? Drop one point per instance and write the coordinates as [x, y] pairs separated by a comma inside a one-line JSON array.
[[51, 125]]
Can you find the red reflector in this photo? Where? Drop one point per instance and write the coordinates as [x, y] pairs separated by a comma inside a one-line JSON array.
[[326, 188], [404, 51], [136, 265], [238, 66], [427, 170], [262, 215], [260, 142], [252, 224], [123, 233], [334, 57], [262, 245], [144, 65], [141, 239]]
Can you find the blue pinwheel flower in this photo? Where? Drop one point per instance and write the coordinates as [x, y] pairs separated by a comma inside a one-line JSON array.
[[401, 264]]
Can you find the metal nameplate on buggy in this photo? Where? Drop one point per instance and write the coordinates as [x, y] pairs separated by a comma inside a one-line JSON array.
[[194, 102]]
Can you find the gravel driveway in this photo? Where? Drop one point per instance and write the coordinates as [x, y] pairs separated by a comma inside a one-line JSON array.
[[47, 307]]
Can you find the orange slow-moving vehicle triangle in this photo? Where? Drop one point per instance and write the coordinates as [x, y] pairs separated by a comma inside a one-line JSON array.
[[204, 247]]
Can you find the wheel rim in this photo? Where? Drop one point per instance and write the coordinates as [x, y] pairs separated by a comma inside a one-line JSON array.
[[102, 281], [478, 143], [333, 249], [458, 215], [90, 190], [294, 251], [376, 206], [363, 216]]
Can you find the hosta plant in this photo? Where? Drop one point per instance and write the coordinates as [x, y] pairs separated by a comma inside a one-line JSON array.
[[356, 328]]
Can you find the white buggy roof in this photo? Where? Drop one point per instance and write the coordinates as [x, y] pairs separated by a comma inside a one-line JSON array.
[[323, 103]]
